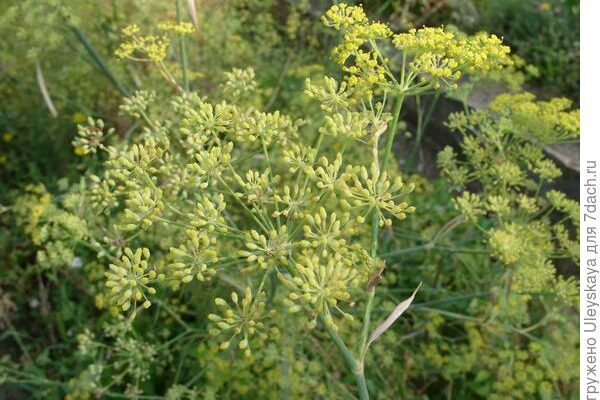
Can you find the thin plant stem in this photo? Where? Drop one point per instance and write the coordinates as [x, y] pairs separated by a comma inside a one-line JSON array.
[[17, 337], [423, 116], [168, 77], [183, 51], [174, 315], [250, 213], [99, 61]]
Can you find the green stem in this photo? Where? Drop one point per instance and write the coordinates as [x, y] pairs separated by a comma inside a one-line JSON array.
[[317, 147], [432, 247], [420, 128], [250, 213], [162, 68], [366, 322], [349, 359], [375, 221], [262, 282], [99, 61], [374, 242], [392, 132], [183, 51]]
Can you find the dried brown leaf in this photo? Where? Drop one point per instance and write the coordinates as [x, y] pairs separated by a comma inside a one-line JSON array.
[[398, 311], [193, 14], [44, 89]]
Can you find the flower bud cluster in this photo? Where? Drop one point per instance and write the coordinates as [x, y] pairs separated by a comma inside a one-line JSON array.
[[319, 283], [129, 279], [239, 83], [376, 191], [265, 251], [195, 258], [89, 138], [242, 321], [327, 234]]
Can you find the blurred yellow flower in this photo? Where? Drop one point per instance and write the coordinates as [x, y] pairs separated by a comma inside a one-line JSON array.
[[78, 118]]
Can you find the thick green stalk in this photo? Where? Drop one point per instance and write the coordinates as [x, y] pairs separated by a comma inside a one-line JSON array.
[[349, 359], [392, 132], [367, 321], [183, 51]]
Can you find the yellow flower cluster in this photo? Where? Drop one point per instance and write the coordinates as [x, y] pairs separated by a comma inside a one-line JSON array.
[[142, 48], [267, 127], [470, 205], [509, 243], [430, 57], [344, 16], [332, 95], [239, 83], [89, 138], [441, 56], [503, 152], [256, 188], [137, 104], [327, 234], [55, 230], [327, 174], [350, 125], [208, 214], [547, 121], [143, 207], [230, 188], [180, 28], [367, 69]]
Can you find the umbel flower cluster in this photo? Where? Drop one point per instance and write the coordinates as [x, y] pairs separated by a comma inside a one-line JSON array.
[[218, 178], [226, 190], [251, 190]]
